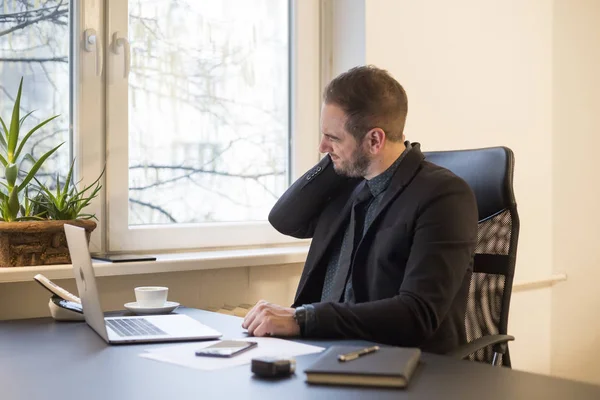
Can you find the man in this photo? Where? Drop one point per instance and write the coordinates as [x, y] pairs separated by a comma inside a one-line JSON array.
[[393, 235]]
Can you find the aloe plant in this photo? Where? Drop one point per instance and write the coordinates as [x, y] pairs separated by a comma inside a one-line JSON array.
[[11, 158], [67, 202], [31, 209]]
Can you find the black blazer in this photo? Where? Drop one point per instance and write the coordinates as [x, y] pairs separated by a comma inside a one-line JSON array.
[[412, 269]]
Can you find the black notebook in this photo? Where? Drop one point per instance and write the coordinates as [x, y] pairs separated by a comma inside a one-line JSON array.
[[387, 367]]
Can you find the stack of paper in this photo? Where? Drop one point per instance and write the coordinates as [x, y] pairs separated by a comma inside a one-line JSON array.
[[185, 354]]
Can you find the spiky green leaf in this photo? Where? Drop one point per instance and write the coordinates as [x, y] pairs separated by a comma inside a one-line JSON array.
[[5, 131], [46, 191], [13, 134], [69, 175], [97, 181], [24, 118], [87, 216], [36, 167], [13, 205], [3, 136], [26, 137]]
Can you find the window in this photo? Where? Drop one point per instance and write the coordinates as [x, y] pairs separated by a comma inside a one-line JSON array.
[[34, 45], [202, 111], [199, 112], [208, 110]]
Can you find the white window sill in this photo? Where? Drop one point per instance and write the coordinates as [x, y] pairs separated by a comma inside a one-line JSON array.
[[168, 263], [195, 261], [520, 286]]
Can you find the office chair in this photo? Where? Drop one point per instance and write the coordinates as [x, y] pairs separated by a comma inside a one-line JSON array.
[[489, 172]]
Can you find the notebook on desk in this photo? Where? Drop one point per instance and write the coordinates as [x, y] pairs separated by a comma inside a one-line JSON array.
[[386, 367]]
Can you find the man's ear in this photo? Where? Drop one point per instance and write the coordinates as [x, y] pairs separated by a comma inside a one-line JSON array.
[[375, 139]]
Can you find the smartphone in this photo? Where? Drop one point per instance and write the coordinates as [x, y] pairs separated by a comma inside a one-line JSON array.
[[117, 258], [226, 348], [69, 305]]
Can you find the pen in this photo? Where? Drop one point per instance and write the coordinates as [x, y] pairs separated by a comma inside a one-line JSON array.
[[359, 353]]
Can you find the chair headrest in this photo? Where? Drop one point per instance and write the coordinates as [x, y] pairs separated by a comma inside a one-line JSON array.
[[488, 171]]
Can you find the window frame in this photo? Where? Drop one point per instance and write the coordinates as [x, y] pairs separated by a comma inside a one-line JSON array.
[[114, 233], [87, 109]]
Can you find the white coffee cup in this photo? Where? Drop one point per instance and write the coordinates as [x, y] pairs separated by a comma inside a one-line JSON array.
[[151, 296]]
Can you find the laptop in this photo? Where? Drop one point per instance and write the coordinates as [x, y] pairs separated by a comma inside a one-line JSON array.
[[134, 329]]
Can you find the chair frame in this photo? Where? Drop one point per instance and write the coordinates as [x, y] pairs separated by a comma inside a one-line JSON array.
[[502, 262]]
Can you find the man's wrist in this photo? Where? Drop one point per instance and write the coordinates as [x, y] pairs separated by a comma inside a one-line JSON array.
[[300, 318], [305, 316]]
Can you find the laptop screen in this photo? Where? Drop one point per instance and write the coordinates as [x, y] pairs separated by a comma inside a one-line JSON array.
[[86, 279]]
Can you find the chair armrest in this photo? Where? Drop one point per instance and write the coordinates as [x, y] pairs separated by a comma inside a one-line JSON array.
[[484, 341]]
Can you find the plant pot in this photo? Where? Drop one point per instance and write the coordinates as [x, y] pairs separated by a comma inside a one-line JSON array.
[[25, 244]]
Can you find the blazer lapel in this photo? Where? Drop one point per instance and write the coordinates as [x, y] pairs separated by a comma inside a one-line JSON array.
[[404, 174], [334, 221]]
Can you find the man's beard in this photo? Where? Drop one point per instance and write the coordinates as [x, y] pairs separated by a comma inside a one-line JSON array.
[[357, 166]]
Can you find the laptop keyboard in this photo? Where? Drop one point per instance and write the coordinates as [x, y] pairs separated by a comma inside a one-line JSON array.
[[133, 327]]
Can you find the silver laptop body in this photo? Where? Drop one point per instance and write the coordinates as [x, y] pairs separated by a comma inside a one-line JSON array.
[[155, 328]]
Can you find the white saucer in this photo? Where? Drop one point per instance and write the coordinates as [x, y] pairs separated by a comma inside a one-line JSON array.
[[167, 308]]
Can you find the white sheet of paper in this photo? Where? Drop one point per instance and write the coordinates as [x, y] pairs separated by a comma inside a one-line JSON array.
[[185, 354]]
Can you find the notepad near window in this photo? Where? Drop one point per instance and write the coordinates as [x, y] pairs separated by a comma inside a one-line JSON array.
[[387, 367]]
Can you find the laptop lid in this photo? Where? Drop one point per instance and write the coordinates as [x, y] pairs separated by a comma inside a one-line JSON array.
[[86, 279], [176, 327]]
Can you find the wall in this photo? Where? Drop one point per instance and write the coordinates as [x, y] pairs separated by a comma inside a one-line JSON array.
[[576, 194], [347, 27], [479, 73]]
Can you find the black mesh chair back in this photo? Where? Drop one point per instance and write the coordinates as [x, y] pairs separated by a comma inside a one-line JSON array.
[[489, 172]]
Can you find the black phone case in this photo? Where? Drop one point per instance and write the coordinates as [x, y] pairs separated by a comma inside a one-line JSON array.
[[66, 304]]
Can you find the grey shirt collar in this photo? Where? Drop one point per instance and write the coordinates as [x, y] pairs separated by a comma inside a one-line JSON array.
[[380, 183]]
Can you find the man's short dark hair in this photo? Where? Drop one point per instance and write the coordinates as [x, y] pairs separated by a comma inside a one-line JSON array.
[[371, 98]]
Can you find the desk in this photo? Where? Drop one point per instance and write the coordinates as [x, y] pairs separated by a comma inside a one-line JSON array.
[[43, 359]]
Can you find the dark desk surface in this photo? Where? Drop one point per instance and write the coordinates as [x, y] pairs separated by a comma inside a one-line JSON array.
[[43, 359]]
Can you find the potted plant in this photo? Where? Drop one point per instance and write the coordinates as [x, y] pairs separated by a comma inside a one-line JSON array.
[[31, 228]]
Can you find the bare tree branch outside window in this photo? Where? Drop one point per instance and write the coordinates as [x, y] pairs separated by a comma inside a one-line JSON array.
[[208, 104], [208, 109], [34, 44]]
